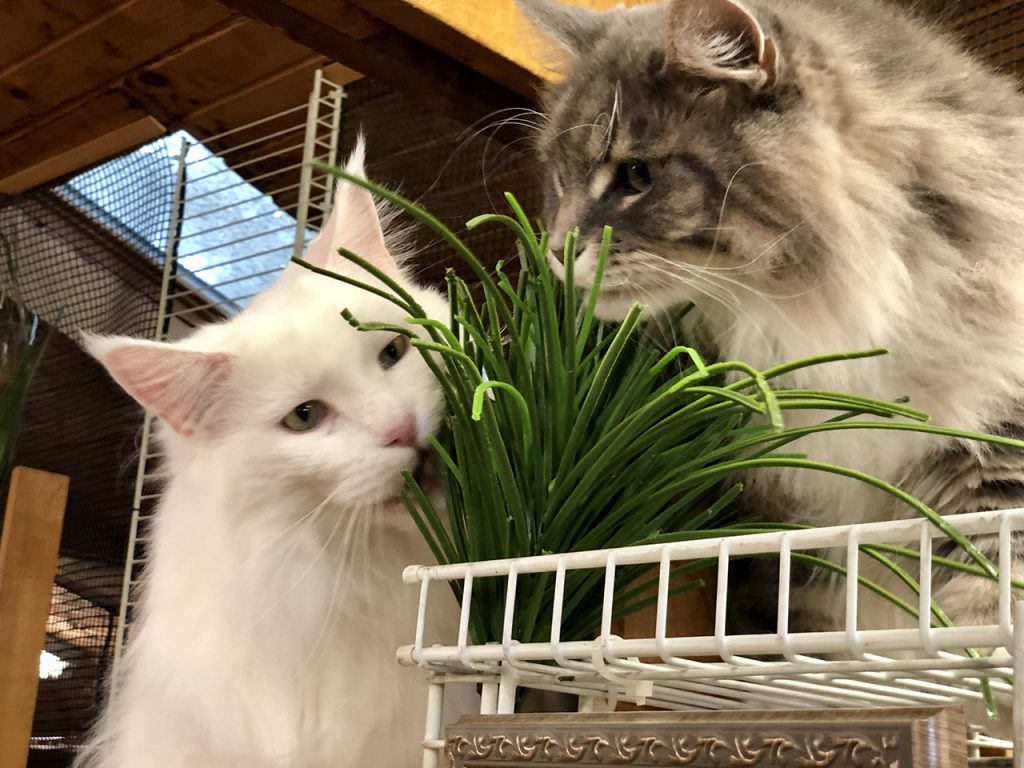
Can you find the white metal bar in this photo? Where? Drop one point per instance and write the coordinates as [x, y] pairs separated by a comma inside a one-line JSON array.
[[243, 182], [254, 198], [1018, 684], [302, 212], [261, 139], [433, 742], [888, 532], [834, 642], [198, 291], [507, 692], [128, 582], [219, 227], [337, 96], [215, 137]]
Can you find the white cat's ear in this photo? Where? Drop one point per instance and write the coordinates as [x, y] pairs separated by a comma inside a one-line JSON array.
[[574, 27], [178, 385], [721, 40], [354, 224]]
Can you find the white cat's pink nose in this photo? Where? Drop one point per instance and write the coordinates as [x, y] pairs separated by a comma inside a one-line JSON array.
[[403, 434]]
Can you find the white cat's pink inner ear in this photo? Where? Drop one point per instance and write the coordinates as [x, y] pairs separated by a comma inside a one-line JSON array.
[[180, 386], [354, 225], [360, 230]]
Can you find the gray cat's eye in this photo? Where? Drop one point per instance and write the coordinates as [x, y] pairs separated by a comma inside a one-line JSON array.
[[305, 416], [634, 177], [393, 352]]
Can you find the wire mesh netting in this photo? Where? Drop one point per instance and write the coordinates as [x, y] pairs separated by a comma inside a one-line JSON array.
[[87, 258], [993, 29]]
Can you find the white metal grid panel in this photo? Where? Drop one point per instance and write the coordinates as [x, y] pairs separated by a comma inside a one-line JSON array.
[[228, 241], [918, 664]]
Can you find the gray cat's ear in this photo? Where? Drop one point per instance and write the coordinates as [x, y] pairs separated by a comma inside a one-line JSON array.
[[354, 224], [179, 385], [721, 40], [574, 27]]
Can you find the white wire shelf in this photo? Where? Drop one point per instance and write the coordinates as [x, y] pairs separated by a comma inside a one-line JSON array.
[[852, 666]]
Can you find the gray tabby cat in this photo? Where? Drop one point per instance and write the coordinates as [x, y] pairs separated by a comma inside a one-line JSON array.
[[816, 177]]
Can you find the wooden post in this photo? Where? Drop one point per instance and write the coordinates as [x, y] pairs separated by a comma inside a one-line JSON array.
[[28, 561]]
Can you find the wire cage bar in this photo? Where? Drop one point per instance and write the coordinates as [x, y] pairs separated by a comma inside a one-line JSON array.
[[852, 665], [242, 208]]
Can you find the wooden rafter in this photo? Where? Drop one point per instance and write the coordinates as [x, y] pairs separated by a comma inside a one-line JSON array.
[[388, 55], [208, 71]]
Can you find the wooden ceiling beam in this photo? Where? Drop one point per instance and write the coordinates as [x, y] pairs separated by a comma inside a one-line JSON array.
[[101, 127], [231, 73], [37, 28], [491, 36], [142, 33], [387, 55], [91, 151]]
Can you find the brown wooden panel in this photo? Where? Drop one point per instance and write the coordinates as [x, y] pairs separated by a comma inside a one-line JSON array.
[[32, 26], [101, 56], [389, 56], [241, 57], [64, 130], [256, 100], [342, 15], [490, 36], [93, 151], [28, 560]]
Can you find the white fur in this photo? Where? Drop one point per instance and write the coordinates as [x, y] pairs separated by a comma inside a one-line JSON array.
[[273, 601]]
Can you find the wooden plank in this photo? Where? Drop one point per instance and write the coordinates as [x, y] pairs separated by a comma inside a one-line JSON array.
[[242, 57], [258, 99], [64, 130], [389, 56], [31, 27], [98, 58], [100, 148], [491, 36], [28, 560]]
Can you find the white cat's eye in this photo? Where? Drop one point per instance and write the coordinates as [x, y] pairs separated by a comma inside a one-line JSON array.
[[305, 416], [634, 177], [393, 352]]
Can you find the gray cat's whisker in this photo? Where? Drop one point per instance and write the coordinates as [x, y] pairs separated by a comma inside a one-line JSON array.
[[519, 118], [771, 244], [725, 198], [706, 284]]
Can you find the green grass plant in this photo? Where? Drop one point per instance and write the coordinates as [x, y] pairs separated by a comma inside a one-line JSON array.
[[565, 433]]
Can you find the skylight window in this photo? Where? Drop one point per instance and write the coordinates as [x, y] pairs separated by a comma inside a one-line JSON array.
[[233, 239]]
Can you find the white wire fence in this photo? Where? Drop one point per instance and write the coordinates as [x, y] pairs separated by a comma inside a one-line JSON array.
[[851, 666], [245, 201]]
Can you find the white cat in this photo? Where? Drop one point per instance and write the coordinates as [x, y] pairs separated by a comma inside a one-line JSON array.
[[273, 601]]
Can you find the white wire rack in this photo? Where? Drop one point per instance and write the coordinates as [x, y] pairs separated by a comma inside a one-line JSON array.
[[851, 667], [244, 203]]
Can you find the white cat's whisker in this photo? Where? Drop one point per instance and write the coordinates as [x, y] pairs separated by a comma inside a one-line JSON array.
[[272, 541], [309, 566], [350, 543]]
